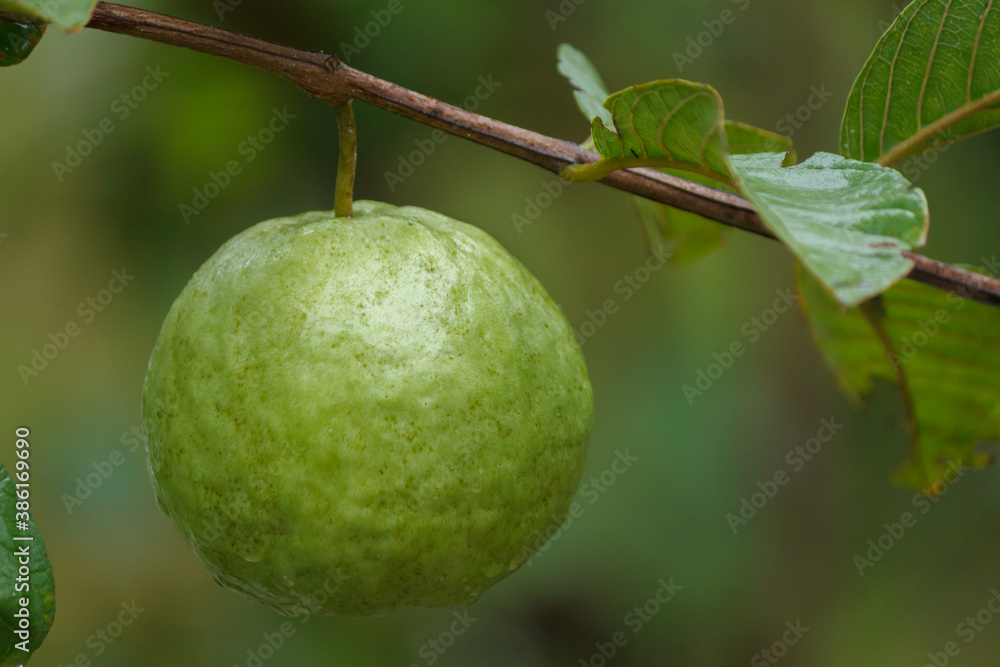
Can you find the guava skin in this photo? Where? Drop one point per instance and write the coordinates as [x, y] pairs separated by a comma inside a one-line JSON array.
[[352, 415]]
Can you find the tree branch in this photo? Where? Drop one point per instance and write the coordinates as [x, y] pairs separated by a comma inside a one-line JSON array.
[[323, 76]]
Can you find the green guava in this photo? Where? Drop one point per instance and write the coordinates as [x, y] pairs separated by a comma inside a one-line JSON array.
[[352, 415]]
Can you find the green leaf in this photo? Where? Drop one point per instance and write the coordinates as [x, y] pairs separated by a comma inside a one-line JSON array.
[[672, 124], [17, 41], [744, 139], [590, 93], [944, 356], [40, 594], [67, 14], [932, 77], [847, 221], [688, 237], [590, 90], [684, 237]]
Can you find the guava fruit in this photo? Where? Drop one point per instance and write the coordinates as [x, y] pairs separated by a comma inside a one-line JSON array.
[[352, 415]]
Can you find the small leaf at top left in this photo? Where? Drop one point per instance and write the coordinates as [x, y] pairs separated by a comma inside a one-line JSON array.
[[17, 41], [69, 15]]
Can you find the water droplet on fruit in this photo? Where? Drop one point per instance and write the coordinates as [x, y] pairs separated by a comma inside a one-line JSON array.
[[251, 552], [492, 570], [161, 504]]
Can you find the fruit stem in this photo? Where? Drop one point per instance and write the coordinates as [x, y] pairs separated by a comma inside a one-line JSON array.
[[344, 197]]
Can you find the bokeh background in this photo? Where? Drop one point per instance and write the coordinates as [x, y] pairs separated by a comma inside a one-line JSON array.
[[664, 517]]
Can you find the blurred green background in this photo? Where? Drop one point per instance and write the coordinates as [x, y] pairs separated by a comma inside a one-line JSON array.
[[664, 517]]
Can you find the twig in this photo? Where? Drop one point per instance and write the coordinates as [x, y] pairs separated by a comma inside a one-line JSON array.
[[347, 165], [324, 77]]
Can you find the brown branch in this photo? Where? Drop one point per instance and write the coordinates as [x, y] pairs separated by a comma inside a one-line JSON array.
[[324, 77]]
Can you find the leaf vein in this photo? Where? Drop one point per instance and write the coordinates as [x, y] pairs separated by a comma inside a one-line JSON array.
[[930, 66], [975, 50], [892, 71]]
